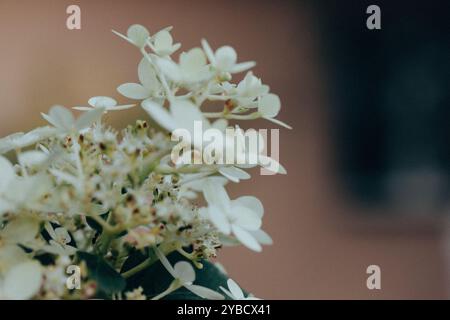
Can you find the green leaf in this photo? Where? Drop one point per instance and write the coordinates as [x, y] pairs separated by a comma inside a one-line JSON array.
[[156, 279], [108, 280]]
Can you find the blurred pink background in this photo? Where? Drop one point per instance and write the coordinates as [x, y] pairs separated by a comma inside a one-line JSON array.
[[323, 244]]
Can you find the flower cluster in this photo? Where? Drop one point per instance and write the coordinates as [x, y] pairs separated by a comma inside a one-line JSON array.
[[80, 192]]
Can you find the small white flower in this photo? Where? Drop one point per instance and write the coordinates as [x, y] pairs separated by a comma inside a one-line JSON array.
[[20, 192], [162, 43], [20, 278], [58, 243], [109, 104], [269, 106], [182, 115], [251, 87], [225, 59], [191, 68], [63, 120], [185, 274], [22, 140], [232, 216], [149, 86], [136, 35]]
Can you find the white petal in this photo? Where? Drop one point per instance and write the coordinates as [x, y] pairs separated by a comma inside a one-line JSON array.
[[7, 173], [60, 117], [219, 219], [62, 234], [233, 173], [204, 292], [159, 114], [122, 107], [193, 60], [252, 203], [163, 42], [215, 194], [102, 101], [170, 69], [32, 158], [199, 184], [271, 164], [241, 67], [246, 238], [10, 256], [269, 105], [82, 108], [220, 124], [138, 35], [184, 271], [245, 218], [23, 281], [235, 290], [88, 118], [133, 91], [165, 262], [21, 230], [278, 122], [186, 114], [262, 237], [227, 292], [147, 75], [226, 57], [208, 51], [36, 135], [49, 228]]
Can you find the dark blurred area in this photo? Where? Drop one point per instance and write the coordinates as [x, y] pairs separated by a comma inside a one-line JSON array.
[[368, 153], [390, 101]]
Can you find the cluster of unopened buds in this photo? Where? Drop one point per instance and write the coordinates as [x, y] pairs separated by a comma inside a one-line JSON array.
[[77, 192]]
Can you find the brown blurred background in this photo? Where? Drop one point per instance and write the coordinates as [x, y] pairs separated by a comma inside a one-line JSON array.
[[323, 244]]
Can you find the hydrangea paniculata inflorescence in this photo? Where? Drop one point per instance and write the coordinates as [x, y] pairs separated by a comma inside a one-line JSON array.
[[113, 204]]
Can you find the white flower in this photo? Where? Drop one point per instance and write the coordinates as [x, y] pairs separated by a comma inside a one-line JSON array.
[[136, 35], [20, 278], [269, 106], [225, 59], [192, 67], [27, 193], [20, 230], [185, 274], [193, 183], [149, 86], [235, 292], [182, 115], [233, 216], [249, 89], [162, 43], [58, 243], [63, 120], [22, 140], [109, 104]]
